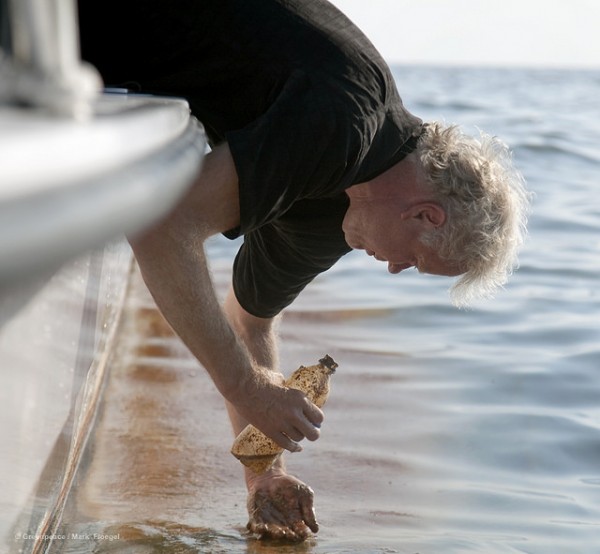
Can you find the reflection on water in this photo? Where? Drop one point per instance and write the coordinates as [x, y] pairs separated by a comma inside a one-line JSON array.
[[149, 537], [155, 537]]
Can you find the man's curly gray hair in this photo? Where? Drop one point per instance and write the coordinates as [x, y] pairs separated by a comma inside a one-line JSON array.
[[486, 207]]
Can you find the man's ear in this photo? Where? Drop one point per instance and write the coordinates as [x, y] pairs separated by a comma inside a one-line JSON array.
[[429, 213]]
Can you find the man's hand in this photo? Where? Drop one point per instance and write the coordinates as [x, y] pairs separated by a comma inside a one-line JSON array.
[[285, 415], [280, 507]]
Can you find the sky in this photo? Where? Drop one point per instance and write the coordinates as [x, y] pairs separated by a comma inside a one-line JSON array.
[[535, 33]]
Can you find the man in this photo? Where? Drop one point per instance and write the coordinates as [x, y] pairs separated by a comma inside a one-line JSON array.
[[313, 154]]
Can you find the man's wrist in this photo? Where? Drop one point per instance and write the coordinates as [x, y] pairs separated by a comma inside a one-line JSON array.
[[276, 470], [235, 386]]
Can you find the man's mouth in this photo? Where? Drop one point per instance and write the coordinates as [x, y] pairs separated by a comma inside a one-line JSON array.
[[392, 267], [375, 255]]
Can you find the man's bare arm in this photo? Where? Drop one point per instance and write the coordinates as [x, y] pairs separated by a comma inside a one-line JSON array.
[[280, 506], [172, 260]]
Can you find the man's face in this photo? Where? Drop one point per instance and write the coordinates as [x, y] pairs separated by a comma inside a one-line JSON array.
[[391, 234]]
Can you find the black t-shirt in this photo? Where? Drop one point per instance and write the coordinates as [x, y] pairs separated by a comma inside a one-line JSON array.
[[304, 100]]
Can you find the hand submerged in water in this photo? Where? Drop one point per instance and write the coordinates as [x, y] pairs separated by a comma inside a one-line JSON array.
[[280, 507]]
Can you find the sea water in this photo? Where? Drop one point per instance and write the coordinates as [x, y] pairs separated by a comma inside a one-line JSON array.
[[447, 431]]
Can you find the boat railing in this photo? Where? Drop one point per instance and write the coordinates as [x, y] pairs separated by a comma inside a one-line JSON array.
[[40, 64]]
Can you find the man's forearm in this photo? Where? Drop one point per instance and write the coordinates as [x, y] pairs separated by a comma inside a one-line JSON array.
[[177, 275], [174, 268], [258, 336]]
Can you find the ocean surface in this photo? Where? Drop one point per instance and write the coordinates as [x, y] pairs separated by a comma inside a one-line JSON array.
[[447, 431]]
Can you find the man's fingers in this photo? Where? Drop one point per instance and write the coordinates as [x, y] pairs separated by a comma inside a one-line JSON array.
[[278, 532], [305, 424], [301, 530], [293, 433], [312, 433], [309, 410], [285, 442], [313, 413], [302, 420], [269, 531], [300, 428], [313, 418], [297, 532], [307, 510]]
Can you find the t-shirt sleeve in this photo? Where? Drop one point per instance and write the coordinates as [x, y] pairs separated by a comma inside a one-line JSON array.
[[277, 260]]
